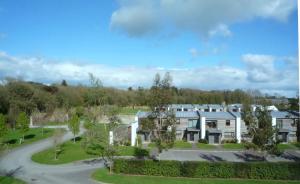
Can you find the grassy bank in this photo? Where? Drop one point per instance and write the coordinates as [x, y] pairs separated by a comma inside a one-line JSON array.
[[73, 152], [10, 180], [34, 134], [102, 175]]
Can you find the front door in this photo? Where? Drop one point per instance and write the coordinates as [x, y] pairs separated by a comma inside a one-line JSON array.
[[216, 139], [192, 136]]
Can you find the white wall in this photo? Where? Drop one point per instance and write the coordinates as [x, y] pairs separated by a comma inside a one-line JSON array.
[[203, 131], [134, 127], [238, 129]]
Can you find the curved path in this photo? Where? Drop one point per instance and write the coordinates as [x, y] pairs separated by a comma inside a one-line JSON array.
[[19, 164]]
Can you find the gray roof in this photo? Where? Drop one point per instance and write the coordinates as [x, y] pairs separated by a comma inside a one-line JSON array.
[[214, 130], [193, 129], [215, 106], [217, 115], [187, 114], [178, 114], [283, 114], [236, 114]]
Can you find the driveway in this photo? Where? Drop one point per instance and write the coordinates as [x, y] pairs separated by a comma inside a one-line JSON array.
[[232, 156], [19, 164]]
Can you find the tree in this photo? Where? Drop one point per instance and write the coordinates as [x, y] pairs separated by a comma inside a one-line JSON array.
[[259, 123], [3, 130], [74, 126], [57, 140], [22, 123], [64, 82], [163, 122], [96, 142]]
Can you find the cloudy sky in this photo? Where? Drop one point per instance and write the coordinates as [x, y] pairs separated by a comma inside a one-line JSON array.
[[204, 44]]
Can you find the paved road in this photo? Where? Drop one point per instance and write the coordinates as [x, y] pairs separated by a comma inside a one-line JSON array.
[[18, 162], [232, 156]]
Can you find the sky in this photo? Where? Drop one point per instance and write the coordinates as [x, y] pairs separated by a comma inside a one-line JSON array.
[[204, 44]]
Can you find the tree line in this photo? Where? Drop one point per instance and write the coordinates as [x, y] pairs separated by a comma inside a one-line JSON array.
[[22, 96]]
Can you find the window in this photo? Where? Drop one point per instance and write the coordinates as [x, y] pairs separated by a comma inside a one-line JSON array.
[[227, 122], [206, 110], [228, 134], [211, 124], [185, 109], [279, 123], [178, 109], [214, 110], [192, 123]]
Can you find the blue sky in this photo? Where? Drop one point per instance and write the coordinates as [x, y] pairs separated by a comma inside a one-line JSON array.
[[205, 44]]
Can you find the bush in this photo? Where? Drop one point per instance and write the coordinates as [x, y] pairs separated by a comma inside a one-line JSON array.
[[250, 170], [204, 141], [250, 145]]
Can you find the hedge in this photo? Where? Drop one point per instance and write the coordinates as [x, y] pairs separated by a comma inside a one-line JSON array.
[[250, 170]]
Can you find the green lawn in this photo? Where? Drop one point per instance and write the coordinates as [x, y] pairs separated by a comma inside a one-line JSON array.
[[34, 134], [287, 146], [182, 144], [233, 146], [10, 180], [103, 176], [177, 144], [205, 146], [73, 152], [70, 152]]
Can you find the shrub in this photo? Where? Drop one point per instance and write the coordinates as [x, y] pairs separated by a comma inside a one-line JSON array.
[[250, 145], [250, 170], [204, 141]]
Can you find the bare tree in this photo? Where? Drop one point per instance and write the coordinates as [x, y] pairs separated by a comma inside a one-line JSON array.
[[57, 140]]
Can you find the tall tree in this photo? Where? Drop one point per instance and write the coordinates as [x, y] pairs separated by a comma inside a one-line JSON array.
[[74, 126], [96, 141], [3, 130], [64, 82], [22, 124], [164, 122]]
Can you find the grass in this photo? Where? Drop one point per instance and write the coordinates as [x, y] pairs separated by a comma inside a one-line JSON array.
[[73, 152], [70, 152], [182, 144], [132, 111], [34, 134], [103, 176], [177, 144], [233, 146], [10, 180], [287, 146], [205, 146]]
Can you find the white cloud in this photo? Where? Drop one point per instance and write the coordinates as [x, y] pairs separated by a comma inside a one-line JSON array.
[[207, 78], [194, 52], [203, 17]]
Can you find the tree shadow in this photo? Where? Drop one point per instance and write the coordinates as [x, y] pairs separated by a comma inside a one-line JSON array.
[[140, 153], [11, 141], [11, 173], [30, 136], [290, 156], [248, 157], [77, 139], [211, 157]]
